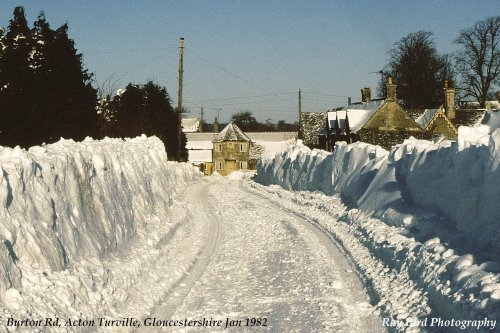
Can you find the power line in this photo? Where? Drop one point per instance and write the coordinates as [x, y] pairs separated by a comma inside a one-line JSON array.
[[320, 94], [242, 97], [324, 98], [147, 63], [248, 102], [225, 70], [222, 103], [129, 50]]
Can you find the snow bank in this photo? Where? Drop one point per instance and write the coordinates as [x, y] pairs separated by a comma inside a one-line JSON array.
[[492, 119], [458, 181], [441, 197], [69, 200], [409, 281]]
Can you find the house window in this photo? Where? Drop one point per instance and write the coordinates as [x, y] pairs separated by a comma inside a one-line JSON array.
[[243, 147], [230, 144], [219, 147], [243, 165], [219, 165]]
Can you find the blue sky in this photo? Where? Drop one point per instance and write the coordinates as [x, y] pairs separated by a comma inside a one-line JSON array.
[[264, 51]]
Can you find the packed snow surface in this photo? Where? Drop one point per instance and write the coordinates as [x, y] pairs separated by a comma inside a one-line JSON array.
[[438, 203]]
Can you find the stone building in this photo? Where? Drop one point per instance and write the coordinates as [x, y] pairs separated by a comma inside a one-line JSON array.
[[231, 150], [380, 121], [440, 121], [436, 123], [200, 147]]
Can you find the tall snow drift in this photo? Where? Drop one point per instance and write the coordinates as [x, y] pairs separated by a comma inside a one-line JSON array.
[[456, 180], [69, 200]]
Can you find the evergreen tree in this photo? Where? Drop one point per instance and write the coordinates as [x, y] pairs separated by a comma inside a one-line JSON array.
[[46, 92], [16, 81], [68, 98], [146, 110]]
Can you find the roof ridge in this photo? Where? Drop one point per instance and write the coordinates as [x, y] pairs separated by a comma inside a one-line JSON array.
[[232, 133]]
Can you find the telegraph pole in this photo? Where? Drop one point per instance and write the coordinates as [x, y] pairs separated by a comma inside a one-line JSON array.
[[179, 98], [299, 133]]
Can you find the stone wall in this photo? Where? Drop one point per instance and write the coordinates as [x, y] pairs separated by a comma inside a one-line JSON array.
[[388, 138], [230, 151]]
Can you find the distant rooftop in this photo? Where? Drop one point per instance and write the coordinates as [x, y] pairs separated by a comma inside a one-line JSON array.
[[358, 114], [190, 125], [231, 133], [425, 118]]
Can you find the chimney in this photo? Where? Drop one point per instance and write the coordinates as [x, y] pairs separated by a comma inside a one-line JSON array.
[[349, 102], [449, 99], [391, 90], [366, 95], [216, 126]]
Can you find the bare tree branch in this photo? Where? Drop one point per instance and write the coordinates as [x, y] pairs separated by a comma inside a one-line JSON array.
[[478, 62]]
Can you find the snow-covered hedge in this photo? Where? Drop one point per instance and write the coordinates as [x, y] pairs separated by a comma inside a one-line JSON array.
[[69, 200], [456, 180]]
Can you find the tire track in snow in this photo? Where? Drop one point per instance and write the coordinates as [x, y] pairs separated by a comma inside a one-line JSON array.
[[349, 279], [202, 211], [273, 264]]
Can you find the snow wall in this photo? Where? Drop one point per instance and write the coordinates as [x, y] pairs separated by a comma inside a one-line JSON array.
[[69, 200], [459, 181]]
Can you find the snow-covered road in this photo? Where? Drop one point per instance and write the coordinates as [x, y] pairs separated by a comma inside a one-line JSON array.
[[261, 264], [224, 253], [97, 242]]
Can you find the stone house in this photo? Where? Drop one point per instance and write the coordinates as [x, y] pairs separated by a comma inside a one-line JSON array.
[[380, 121], [445, 120], [200, 147], [231, 150], [441, 121], [436, 123]]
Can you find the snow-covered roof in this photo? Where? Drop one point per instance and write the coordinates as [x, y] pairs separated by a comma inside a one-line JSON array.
[[231, 133], [199, 155], [271, 136], [424, 120], [190, 124], [336, 116], [198, 140], [358, 114], [200, 145]]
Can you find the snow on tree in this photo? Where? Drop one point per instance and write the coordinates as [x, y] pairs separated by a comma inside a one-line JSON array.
[[48, 94]]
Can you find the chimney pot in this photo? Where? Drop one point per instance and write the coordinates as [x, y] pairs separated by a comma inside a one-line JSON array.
[[449, 100], [366, 94], [216, 126], [390, 90]]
